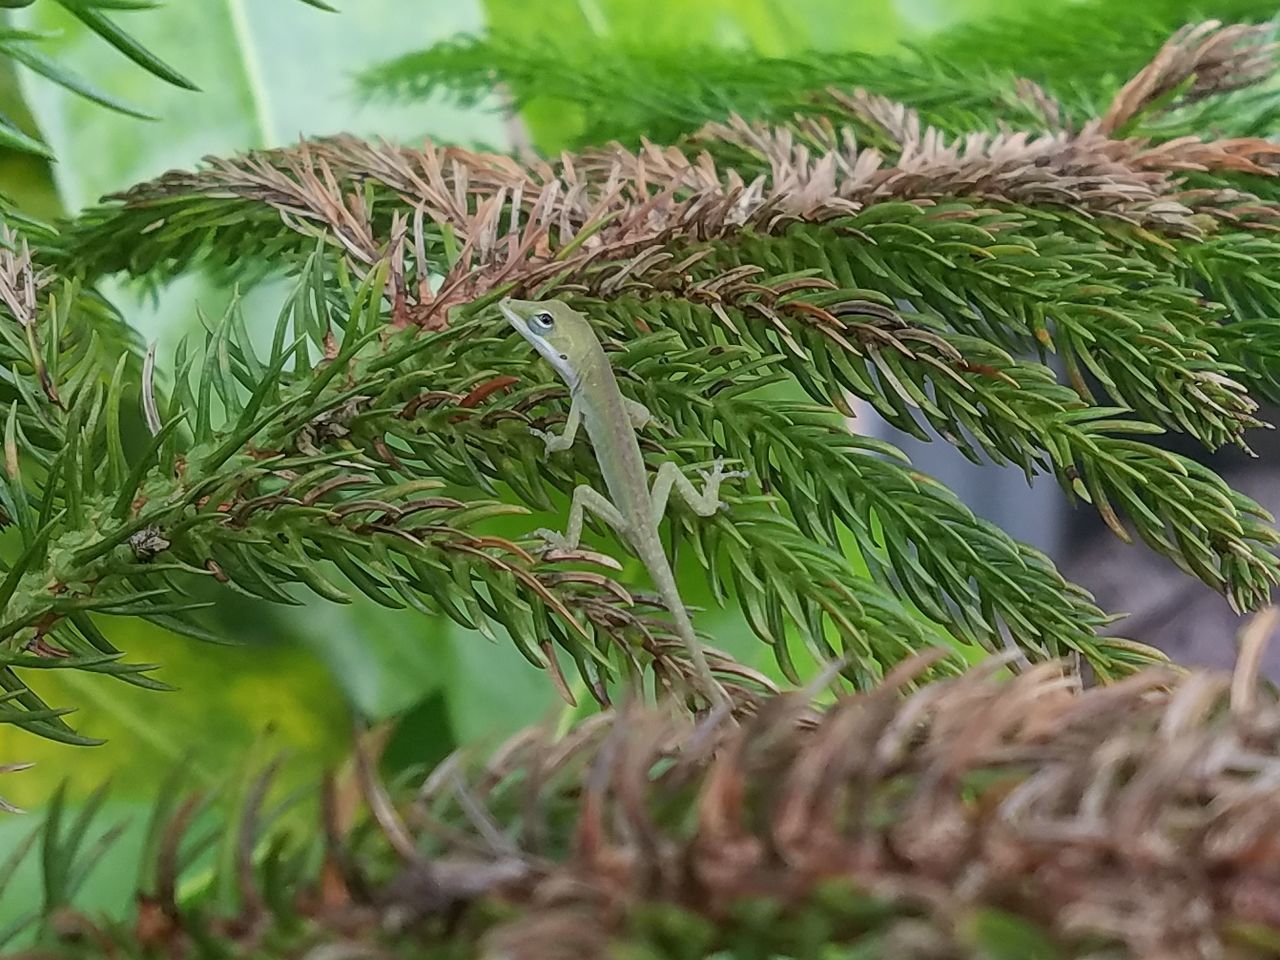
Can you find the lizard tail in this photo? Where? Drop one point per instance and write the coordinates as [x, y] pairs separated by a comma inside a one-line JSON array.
[[665, 581]]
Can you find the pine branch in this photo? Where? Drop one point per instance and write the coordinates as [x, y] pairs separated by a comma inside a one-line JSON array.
[[935, 551], [725, 238]]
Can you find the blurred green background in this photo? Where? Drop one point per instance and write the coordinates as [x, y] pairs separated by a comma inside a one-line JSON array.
[[270, 72]]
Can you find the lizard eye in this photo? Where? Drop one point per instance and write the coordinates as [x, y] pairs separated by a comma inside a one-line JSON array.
[[542, 321]]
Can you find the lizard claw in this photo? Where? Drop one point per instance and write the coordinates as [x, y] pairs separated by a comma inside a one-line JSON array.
[[552, 540], [551, 442], [718, 472], [716, 475]]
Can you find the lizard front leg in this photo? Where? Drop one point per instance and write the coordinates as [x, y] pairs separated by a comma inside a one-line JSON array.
[[584, 498], [557, 442], [637, 413], [704, 503]]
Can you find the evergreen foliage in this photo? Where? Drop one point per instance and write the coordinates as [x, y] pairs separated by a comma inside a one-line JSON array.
[[758, 242]]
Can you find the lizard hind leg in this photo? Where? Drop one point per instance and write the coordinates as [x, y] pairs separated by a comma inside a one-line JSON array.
[[703, 502], [585, 499]]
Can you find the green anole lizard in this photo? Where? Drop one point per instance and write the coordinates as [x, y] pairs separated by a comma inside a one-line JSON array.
[[565, 339]]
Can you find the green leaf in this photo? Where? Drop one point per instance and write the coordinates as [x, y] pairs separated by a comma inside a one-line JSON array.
[[205, 725], [63, 77], [87, 13], [14, 139]]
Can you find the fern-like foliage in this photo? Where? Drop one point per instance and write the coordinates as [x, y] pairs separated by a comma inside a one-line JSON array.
[[748, 279], [959, 81], [973, 818]]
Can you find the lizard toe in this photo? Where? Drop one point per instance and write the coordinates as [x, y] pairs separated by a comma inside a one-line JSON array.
[[551, 540]]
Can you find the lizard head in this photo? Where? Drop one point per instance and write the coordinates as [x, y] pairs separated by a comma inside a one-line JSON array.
[[561, 334]]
